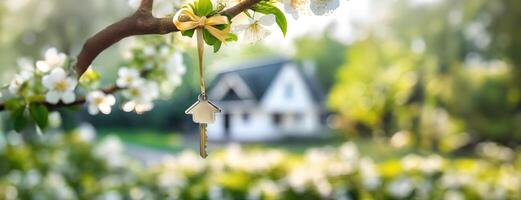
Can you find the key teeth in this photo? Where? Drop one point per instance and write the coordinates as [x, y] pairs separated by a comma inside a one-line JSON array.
[[206, 143], [204, 152]]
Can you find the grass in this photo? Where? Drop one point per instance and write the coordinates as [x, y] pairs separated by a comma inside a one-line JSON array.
[[296, 145], [172, 142], [166, 141]]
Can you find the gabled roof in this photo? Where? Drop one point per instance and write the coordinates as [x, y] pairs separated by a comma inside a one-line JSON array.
[[259, 76]]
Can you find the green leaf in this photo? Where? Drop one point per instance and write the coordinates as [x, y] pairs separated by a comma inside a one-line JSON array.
[[231, 37], [19, 120], [13, 104], [217, 46], [209, 38], [268, 8], [40, 114], [188, 33], [203, 7]]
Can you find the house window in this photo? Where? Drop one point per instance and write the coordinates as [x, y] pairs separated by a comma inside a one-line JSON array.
[[277, 119], [231, 95], [245, 117], [288, 90]]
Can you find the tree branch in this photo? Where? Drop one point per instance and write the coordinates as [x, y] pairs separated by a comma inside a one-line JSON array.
[[81, 100], [142, 22]]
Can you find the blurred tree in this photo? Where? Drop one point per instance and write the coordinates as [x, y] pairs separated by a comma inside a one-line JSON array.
[[505, 30], [432, 76], [326, 52], [29, 26]]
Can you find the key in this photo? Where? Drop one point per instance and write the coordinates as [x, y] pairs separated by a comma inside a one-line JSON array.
[[202, 140], [203, 112]]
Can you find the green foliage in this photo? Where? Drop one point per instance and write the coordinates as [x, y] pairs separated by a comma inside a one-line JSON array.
[[267, 7], [17, 114], [202, 7], [327, 54], [188, 33], [370, 86], [418, 80], [205, 8], [504, 28], [83, 169], [18, 118], [40, 114]]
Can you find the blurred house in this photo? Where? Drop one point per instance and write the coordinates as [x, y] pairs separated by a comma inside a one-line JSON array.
[[267, 100]]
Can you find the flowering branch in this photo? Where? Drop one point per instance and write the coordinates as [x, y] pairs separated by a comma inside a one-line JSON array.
[[81, 100], [142, 22]]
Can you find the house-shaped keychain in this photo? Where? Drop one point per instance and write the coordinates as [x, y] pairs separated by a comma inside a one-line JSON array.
[[203, 111]]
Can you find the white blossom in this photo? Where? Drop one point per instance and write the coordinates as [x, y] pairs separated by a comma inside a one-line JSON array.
[[174, 71], [215, 193], [55, 119], [56, 184], [400, 188], [264, 187], [349, 151], [370, 175], [453, 195], [175, 68], [127, 77], [53, 59], [256, 29], [60, 87], [18, 81], [431, 164], [100, 102], [140, 95], [111, 149], [149, 51], [297, 8], [411, 162], [321, 7], [25, 64], [110, 195], [86, 132]]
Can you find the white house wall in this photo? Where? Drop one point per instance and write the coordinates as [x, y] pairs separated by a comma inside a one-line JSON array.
[[257, 127], [260, 125], [275, 100]]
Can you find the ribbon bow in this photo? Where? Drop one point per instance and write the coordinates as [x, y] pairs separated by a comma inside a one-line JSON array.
[[185, 19]]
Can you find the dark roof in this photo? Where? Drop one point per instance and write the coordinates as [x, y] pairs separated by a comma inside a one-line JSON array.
[[258, 77]]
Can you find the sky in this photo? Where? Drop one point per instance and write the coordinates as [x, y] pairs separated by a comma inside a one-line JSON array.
[[344, 18]]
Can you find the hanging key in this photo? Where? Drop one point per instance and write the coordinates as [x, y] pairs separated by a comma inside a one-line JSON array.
[[203, 137], [203, 112]]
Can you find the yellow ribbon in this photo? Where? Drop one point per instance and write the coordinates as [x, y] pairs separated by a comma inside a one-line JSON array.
[[185, 19]]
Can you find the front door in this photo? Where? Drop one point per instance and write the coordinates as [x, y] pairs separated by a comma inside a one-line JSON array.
[[227, 125]]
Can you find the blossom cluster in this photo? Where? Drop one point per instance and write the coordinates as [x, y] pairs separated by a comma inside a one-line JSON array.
[[152, 71], [72, 166], [49, 73]]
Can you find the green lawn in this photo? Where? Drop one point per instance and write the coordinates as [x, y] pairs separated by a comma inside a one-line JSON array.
[[165, 141], [173, 142]]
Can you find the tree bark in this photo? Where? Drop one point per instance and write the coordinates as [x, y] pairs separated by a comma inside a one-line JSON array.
[[142, 22]]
